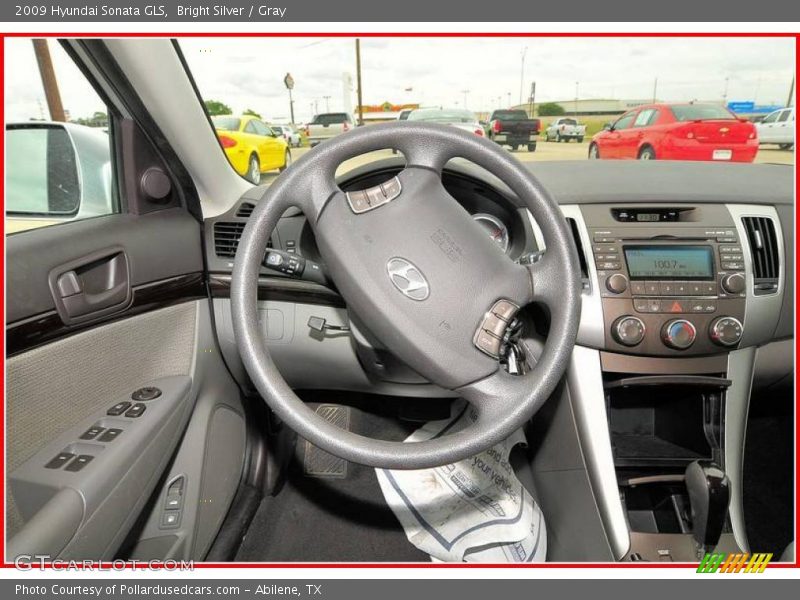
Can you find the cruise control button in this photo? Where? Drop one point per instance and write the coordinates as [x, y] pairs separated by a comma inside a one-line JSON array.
[[358, 201], [80, 461], [494, 325], [59, 460], [504, 309], [118, 409], [487, 343], [391, 189], [92, 432], [137, 410]]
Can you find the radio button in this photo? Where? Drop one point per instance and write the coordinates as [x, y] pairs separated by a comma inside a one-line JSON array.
[[652, 288], [637, 288], [695, 289], [681, 288], [641, 305], [709, 288], [734, 283], [617, 283], [727, 257], [724, 239], [731, 249], [608, 266], [733, 266], [604, 239], [667, 288], [602, 248]]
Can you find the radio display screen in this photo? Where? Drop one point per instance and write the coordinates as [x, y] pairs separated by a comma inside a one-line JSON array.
[[670, 262]]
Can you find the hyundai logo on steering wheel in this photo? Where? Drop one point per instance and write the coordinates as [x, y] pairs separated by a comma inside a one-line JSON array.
[[408, 278]]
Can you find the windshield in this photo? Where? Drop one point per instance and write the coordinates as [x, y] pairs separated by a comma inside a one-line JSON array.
[[701, 112], [482, 85], [443, 116]]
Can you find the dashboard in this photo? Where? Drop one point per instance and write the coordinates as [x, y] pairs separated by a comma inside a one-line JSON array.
[[678, 259]]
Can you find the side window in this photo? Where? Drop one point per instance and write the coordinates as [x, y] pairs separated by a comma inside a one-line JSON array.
[[646, 117], [784, 116], [58, 146], [251, 128], [772, 117], [625, 121], [261, 129]]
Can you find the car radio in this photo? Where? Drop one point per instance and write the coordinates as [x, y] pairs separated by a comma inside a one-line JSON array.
[[670, 292]]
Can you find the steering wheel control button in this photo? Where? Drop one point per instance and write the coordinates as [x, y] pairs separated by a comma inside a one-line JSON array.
[[678, 334], [146, 393], [362, 201], [725, 331], [118, 409], [109, 435], [79, 463], [617, 283], [92, 432], [137, 410], [59, 460], [489, 336], [628, 330], [274, 259]]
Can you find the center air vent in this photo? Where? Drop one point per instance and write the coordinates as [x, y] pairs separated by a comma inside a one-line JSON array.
[[245, 209], [764, 252]]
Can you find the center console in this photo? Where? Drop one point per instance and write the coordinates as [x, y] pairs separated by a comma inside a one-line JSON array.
[[684, 295]]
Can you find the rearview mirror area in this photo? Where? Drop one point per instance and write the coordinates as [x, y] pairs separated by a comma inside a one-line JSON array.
[[608, 127], [41, 171]]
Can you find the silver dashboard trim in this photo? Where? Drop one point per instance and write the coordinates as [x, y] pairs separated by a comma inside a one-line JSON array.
[[737, 402], [762, 313], [585, 383]]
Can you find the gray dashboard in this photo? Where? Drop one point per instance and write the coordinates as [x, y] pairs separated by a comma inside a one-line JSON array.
[[573, 184]]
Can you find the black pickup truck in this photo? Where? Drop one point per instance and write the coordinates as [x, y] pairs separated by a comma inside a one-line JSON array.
[[514, 128]]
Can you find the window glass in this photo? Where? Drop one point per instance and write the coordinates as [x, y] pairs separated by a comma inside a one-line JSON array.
[[250, 127], [772, 117], [784, 116], [261, 129], [701, 112], [645, 118], [58, 147], [625, 121]]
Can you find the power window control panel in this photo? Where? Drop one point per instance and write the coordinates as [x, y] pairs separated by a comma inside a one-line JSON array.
[[92, 432], [110, 435], [173, 504], [60, 460]]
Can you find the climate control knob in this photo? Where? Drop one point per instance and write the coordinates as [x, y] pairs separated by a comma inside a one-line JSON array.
[[678, 334], [628, 330], [617, 283], [725, 331], [733, 283]]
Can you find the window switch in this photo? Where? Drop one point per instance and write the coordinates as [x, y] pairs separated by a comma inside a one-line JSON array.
[[173, 502], [59, 460], [92, 432], [170, 519], [118, 409], [80, 461], [137, 410], [110, 435]]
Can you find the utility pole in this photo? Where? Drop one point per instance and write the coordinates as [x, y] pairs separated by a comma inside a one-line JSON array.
[[655, 90], [288, 81], [522, 73], [509, 99], [465, 92], [49, 80], [327, 103], [532, 99], [725, 92], [791, 94], [577, 83], [358, 82]]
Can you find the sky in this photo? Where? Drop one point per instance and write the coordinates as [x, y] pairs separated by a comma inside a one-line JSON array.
[[248, 73]]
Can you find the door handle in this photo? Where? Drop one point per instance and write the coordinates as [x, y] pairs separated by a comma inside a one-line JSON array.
[[93, 286]]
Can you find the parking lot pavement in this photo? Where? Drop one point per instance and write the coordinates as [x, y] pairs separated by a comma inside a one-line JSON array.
[[544, 151]]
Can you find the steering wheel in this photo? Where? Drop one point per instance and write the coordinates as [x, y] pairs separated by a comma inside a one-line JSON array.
[[425, 279]]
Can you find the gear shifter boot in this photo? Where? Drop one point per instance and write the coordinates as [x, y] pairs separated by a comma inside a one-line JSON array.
[[709, 495]]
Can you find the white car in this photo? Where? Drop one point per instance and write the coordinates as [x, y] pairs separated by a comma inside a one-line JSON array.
[[456, 117], [777, 128], [288, 133], [565, 129]]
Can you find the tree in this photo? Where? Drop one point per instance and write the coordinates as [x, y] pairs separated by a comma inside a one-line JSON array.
[[252, 113], [215, 107], [551, 109]]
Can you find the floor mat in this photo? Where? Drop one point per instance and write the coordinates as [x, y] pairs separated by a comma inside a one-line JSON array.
[[332, 519]]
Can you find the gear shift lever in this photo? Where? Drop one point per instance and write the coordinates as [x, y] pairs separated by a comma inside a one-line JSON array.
[[709, 495]]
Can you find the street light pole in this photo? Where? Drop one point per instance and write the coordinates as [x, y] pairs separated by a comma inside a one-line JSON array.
[[577, 83], [358, 82], [522, 73], [327, 103], [465, 92]]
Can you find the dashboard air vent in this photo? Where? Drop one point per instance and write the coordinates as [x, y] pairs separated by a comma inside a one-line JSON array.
[[226, 238], [764, 252], [245, 209], [573, 227]]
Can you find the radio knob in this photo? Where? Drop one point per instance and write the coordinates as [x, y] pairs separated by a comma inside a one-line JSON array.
[[628, 330], [678, 334], [733, 283], [617, 283], [725, 331]]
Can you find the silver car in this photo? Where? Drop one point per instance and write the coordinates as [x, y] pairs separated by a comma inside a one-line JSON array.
[[457, 117]]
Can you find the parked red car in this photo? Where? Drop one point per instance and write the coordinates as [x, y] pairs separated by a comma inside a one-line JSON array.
[[677, 132]]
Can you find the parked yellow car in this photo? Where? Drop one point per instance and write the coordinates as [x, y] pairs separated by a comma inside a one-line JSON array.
[[252, 146]]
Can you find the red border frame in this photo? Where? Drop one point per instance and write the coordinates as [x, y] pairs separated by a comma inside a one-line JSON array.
[[107, 565]]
